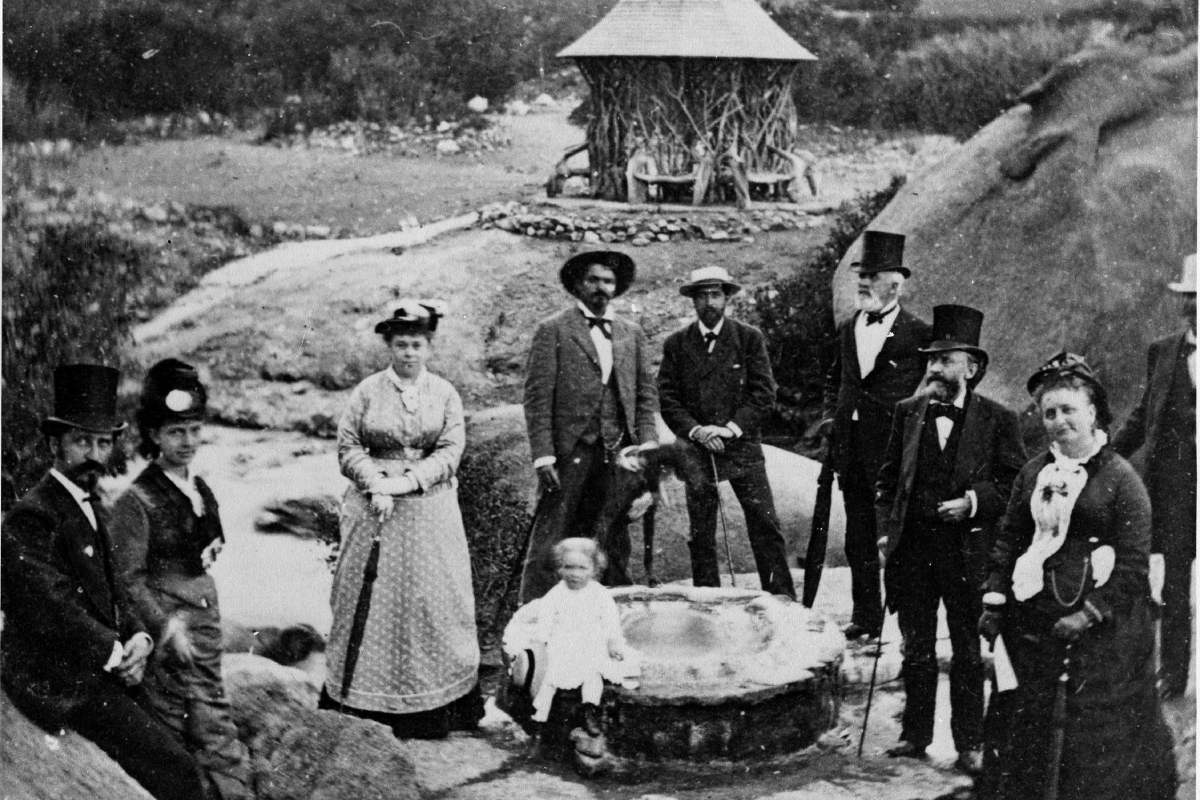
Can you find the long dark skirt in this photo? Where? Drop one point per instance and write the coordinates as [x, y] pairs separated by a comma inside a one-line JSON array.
[[1116, 743]]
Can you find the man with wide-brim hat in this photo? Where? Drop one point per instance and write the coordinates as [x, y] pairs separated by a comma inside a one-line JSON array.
[[715, 388], [942, 488], [589, 394], [876, 364], [74, 648], [1163, 426]]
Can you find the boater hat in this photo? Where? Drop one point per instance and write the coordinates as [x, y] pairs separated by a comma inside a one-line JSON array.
[[529, 668], [709, 276], [575, 267], [411, 316], [1187, 282], [85, 397], [956, 328], [881, 251], [172, 393]]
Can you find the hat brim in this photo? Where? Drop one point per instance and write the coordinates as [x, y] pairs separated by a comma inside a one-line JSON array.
[[729, 287], [857, 267], [54, 425], [529, 668], [622, 266], [944, 345]]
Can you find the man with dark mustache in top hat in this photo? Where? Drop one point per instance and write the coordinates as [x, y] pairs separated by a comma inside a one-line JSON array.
[[589, 394], [876, 365], [1165, 423], [74, 650], [951, 458]]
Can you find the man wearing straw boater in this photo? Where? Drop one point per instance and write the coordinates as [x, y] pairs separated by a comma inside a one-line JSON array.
[[876, 365], [949, 466], [589, 395], [714, 386], [74, 649], [1165, 422]]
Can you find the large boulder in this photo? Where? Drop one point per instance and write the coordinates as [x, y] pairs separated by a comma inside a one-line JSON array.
[[1062, 220], [36, 765]]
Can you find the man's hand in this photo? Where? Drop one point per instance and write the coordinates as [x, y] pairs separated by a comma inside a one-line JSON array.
[[640, 505], [174, 642], [208, 556], [989, 624], [383, 505], [712, 437], [133, 660], [548, 478], [1072, 626], [955, 510]]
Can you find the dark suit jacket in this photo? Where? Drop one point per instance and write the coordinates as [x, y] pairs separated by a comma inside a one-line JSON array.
[[563, 389], [732, 384], [989, 456], [897, 372], [63, 609], [1146, 425]]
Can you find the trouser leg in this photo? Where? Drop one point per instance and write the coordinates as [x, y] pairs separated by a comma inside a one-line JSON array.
[[702, 498], [862, 551], [916, 610], [1176, 647], [963, 607], [151, 754], [559, 517], [762, 526]]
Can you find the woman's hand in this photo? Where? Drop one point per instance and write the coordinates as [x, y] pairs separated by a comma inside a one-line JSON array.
[[616, 652], [395, 487], [383, 505], [1072, 626]]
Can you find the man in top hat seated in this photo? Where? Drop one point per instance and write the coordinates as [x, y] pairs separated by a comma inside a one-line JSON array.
[[876, 365], [74, 651], [589, 394], [1165, 422], [947, 472], [715, 386]]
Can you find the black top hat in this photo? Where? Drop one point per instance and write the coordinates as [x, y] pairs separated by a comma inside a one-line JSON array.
[[1071, 365], [411, 316], [881, 251], [172, 392], [621, 265], [956, 328], [85, 396]]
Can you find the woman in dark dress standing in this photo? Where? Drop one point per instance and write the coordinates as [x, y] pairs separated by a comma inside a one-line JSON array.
[[1069, 597]]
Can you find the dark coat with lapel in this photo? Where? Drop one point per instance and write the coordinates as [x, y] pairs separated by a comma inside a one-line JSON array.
[[990, 454], [63, 609], [563, 389], [897, 372], [733, 383], [1148, 424]]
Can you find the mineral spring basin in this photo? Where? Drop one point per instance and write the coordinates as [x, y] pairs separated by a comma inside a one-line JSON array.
[[728, 673]]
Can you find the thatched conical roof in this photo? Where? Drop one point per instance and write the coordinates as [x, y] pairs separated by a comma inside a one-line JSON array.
[[735, 29]]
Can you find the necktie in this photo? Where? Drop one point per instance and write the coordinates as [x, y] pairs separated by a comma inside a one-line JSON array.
[[951, 412], [601, 323], [709, 338], [875, 316]]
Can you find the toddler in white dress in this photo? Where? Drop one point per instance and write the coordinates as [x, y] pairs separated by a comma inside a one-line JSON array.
[[579, 624]]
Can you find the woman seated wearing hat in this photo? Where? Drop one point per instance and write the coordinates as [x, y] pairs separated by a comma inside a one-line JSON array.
[[1069, 598], [166, 533], [403, 648]]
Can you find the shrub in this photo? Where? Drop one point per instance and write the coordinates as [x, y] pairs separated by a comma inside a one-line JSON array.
[[796, 314]]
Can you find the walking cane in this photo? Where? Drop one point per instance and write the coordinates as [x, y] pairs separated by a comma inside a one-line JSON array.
[[712, 460], [862, 736], [1059, 720]]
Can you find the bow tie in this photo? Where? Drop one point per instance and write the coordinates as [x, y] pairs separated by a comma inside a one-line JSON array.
[[605, 325], [876, 316], [947, 410]]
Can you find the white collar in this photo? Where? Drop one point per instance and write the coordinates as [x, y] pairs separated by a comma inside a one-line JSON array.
[[715, 330], [399, 382], [587, 312], [80, 494], [1065, 461]]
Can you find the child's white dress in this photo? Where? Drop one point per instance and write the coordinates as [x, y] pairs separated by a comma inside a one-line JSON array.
[[578, 627]]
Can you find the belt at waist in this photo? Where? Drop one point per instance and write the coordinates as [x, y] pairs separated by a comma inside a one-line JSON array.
[[399, 454]]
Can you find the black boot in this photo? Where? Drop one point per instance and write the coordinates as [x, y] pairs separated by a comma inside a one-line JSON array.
[[591, 719]]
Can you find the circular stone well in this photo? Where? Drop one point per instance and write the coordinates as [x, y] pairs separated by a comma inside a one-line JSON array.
[[729, 673]]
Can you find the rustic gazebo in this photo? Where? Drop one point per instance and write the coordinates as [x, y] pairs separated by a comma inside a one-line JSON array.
[[691, 93]]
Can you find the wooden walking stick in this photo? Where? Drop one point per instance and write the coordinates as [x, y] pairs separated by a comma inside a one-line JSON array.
[[1058, 719], [712, 460], [862, 736]]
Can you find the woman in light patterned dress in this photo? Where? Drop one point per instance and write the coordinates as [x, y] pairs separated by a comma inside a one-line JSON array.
[[412, 660]]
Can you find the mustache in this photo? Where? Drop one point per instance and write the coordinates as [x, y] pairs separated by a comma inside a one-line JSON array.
[[86, 466]]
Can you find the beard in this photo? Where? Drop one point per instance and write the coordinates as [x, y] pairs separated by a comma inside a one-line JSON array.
[[867, 302], [710, 317], [86, 474], [944, 389]]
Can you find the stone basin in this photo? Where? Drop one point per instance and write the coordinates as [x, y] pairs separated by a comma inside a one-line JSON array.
[[731, 673]]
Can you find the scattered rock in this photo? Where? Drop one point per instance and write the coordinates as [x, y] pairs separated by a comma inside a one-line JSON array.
[[448, 147], [477, 104]]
